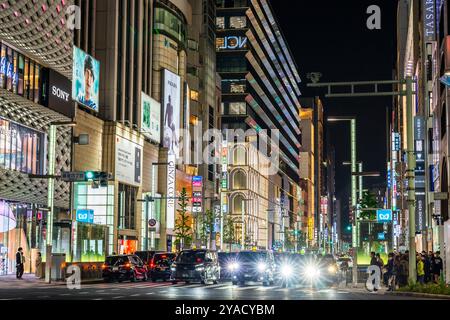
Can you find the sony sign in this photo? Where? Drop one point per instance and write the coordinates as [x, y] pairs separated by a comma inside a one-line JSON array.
[[234, 42], [57, 93], [171, 191]]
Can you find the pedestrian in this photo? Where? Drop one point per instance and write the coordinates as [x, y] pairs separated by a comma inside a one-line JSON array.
[[420, 269], [404, 270], [380, 264], [437, 266], [20, 261], [426, 262], [38, 265], [390, 272]]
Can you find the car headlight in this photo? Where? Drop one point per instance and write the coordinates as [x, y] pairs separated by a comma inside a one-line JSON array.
[[312, 272], [262, 267], [233, 266], [199, 268], [332, 269], [286, 271]]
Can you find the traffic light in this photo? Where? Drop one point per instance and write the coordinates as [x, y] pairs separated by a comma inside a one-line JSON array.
[[349, 228], [89, 175], [98, 178]]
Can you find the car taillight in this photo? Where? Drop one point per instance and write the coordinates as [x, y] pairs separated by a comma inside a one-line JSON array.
[[104, 266], [128, 265], [199, 260], [152, 265]]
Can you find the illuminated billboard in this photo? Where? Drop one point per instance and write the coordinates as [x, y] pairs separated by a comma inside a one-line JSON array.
[[172, 112], [85, 79]]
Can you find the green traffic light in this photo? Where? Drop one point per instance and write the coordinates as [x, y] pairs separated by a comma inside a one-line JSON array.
[[89, 175], [349, 228]]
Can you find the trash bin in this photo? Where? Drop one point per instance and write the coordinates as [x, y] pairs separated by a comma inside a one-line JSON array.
[[58, 266]]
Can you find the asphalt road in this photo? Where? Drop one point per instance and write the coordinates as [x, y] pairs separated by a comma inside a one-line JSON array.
[[17, 290]]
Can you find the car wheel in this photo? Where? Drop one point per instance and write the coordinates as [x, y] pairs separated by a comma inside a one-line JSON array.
[[153, 279], [133, 277], [265, 284], [145, 278], [174, 282], [234, 283], [187, 282], [216, 281]]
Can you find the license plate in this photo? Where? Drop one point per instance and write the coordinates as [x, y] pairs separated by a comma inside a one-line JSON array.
[[116, 269]]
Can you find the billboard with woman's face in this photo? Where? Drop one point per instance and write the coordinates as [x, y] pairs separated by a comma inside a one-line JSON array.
[[86, 79]]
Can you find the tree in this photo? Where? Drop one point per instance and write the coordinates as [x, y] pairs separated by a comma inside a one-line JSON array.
[[229, 231], [207, 227], [368, 201], [183, 229]]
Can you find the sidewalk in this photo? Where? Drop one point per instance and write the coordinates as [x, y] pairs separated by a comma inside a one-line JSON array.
[[29, 280]]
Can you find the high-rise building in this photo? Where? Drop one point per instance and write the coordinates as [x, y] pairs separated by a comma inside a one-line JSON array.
[[35, 108], [260, 91]]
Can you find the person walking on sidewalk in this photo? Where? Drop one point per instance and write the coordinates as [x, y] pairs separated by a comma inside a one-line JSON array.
[[38, 265], [390, 272], [437, 266], [420, 269], [20, 262]]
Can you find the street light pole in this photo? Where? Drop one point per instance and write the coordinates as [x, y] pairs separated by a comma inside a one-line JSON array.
[[411, 177]]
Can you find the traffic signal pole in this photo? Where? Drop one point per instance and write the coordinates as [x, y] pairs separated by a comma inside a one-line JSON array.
[[376, 92]]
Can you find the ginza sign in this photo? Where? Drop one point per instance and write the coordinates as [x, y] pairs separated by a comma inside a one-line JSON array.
[[171, 191]]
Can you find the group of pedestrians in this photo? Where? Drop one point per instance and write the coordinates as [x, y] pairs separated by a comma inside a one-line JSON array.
[[429, 267], [20, 264]]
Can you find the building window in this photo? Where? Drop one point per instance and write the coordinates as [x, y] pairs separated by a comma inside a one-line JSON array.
[[193, 120], [19, 74], [239, 180], [237, 108], [194, 95], [192, 45], [238, 22], [220, 43], [21, 148], [231, 64], [127, 207], [220, 22]]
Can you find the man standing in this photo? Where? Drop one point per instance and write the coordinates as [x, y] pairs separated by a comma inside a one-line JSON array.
[[437, 266], [89, 78], [20, 261]]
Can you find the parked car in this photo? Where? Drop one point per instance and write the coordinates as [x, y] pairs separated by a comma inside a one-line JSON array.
[[160, 266], [196, 266], [147, 256], [124, 267], [257, 266], [225, 258]]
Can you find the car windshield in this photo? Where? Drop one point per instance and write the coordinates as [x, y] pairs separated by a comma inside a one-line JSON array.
[[116, 260], [251, 256], [164, 259], [227, 257], [191, 257]]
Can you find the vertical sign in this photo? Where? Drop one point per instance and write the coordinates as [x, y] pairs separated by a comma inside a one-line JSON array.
[[429, 19], [419, 137], [172, 112], [197, 193], [171, 191]]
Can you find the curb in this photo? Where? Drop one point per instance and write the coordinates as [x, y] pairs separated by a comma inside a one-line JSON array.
[[419, 295]]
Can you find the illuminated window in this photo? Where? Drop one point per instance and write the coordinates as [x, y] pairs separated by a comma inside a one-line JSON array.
[[237, 88], [238, 22], [220, 43], [194, 95], [220, 22], [193, 120], [237, 108]]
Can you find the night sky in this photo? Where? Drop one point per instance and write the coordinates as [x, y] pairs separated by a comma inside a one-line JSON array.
[[331, 37]]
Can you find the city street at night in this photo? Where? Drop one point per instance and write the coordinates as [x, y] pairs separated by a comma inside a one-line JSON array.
[[11, 290]]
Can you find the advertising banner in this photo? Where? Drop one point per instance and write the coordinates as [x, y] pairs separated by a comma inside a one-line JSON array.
[[85, 79], [85, 215], [429, 19], [171, 191], [128, 162], [57, 95], [172, 112], [150, 118], [420, 213]]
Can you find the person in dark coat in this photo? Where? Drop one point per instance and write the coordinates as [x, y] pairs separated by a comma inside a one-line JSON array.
[[437, 267], [427, 266], [20, 262]]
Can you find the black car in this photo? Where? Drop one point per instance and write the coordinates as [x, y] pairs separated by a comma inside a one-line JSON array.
[[225, 259], [320, 271], [124, 267], [256, 266], [160, 266], [196, 266], [147, 256]]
